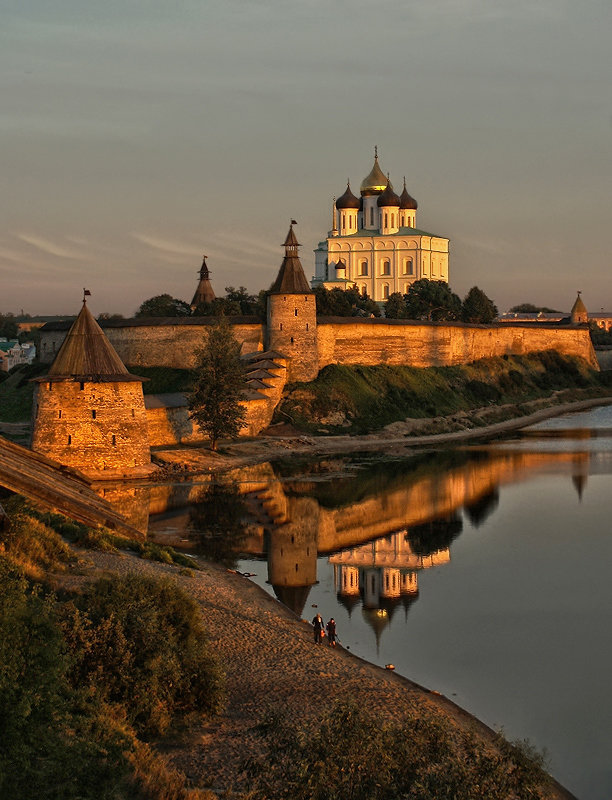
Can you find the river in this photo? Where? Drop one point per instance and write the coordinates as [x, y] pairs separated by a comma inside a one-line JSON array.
[[481, 572]]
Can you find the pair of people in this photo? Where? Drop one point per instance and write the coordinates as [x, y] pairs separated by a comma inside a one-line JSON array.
[[319, 627]]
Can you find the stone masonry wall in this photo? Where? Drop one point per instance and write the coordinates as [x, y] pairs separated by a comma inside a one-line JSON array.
[[157, 344], [418, 344], [96, 427]]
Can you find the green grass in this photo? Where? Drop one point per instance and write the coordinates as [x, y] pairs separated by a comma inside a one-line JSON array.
[[16, 392], [368, 398]]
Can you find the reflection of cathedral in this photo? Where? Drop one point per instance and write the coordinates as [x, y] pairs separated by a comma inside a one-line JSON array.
[[382, 570]]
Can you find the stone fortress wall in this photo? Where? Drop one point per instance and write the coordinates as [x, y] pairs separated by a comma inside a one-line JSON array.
[[340, 340]]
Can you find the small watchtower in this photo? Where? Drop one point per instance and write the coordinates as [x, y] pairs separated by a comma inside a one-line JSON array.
[[204, 292], [88, 410], [579, 314], [292, 315]]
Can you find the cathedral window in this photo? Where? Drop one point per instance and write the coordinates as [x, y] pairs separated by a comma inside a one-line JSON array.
[[343, 221], [385, 290], [408, 266], [393, 220], [386, 220], [371, 216], [385, 267]]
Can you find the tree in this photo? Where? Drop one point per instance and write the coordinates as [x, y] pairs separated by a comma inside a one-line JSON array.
[[214, 402], [164, 305], [344, 303], [432, 300], [477, 307], [219, 307], [395, 307], [529, 308], [8, 326]]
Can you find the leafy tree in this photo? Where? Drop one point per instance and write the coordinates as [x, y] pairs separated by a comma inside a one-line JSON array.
[[219, 307], [164, 305], [344, 303], [529, 308], [107, 315], [477, 307], [8, 326], [214, 402], [432, 300], [395, 307]]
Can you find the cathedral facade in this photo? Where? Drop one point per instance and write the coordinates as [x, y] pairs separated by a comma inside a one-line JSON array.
[[374, 243]]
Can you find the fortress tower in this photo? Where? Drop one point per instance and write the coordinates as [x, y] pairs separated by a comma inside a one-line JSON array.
[[375, 244], [579, 313], [204, 293], [292, 316], [88, 411]]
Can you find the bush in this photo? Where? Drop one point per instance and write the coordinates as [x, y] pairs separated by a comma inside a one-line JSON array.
[[352, 755], [144, 637]]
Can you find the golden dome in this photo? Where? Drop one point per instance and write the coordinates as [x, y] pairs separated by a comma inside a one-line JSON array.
[[375, 182]]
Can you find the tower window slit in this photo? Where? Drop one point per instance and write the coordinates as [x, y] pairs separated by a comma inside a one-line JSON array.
[[59, 414], [296, 568], [81, 385], [306, 326], [114, 440], [292, 340], [295, 312], [69, 439], [93, 413]]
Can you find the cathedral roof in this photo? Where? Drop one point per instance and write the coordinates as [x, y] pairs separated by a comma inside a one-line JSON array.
[[406, 201], [87, 353], [375, 182], [388, 197], [348, 199], [291, 278]]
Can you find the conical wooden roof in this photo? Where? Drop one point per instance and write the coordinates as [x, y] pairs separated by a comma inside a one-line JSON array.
[[291, 278], [86, 353]]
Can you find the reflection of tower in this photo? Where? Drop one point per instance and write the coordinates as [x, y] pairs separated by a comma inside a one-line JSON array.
[[292, 553], [580, 474]]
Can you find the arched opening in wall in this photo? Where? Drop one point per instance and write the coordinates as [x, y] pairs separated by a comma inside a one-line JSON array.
[[393, 220], [385, 291], [385, 267], [408, 267], [386, 220], [371, 216], [363, 267]]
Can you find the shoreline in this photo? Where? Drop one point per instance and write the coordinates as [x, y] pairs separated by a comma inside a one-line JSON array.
[[270, 674], [199, 458]]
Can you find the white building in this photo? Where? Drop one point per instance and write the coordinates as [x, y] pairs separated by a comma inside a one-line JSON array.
[[13, 353], [375, 244]]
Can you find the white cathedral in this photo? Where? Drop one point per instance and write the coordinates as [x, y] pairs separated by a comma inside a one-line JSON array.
[[374, 243]]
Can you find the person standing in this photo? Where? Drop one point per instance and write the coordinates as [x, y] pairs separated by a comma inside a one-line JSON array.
[[317, 627], [331, 632]]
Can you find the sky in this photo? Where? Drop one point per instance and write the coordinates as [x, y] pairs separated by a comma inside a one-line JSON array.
[[137, 135]]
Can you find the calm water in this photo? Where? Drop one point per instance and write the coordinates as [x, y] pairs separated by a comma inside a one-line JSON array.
[[512, 617]]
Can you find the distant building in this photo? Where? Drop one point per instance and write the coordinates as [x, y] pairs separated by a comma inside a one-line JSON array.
[[374, 243], [13, 353], [204, 292]]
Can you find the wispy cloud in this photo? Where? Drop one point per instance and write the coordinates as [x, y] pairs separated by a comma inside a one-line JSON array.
[[167, 245], [49, 247]]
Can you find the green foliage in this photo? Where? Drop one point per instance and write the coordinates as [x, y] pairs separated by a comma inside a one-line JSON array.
[[140, 643], [529, 308], [353, 755], [8, 326], [54, 743], [425, 300], [368, 398], [16, 392], [163, 380], [344, 303], [164, 305], [477, 307], [214, 402], [235, 303]]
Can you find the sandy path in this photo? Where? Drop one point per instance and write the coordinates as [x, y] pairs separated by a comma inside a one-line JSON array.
[[272, 667]]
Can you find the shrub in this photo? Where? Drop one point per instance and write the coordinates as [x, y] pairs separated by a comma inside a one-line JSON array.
[[146, 638]]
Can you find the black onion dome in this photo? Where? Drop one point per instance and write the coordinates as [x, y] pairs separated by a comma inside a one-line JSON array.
[[348, 199], [406, 201], [388, 197]]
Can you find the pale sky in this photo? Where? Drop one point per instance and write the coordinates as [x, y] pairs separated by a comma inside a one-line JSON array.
[[136, 135]]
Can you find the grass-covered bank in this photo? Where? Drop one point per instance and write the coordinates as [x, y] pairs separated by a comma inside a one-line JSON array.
[[360, 399]]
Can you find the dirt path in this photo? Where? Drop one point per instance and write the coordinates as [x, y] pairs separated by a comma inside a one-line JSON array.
[[272, 667]]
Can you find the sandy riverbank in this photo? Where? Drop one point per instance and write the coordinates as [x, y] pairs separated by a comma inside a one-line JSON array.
[[273, 668]]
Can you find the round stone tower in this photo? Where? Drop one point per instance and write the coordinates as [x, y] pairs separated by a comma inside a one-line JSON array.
[[88, 411], [292, 316]]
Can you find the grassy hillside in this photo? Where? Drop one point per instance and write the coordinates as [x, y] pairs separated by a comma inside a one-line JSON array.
[[361, 399]]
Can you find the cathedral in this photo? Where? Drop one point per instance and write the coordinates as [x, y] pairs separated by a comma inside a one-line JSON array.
[[374, 243]]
